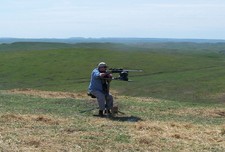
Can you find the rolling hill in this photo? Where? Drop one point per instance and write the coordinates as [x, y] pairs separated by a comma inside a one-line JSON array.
[[175, 104], [175, 71]]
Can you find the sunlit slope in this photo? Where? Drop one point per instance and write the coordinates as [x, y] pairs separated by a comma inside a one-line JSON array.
[[195, 75]]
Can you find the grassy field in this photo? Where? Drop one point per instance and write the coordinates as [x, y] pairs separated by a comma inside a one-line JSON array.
[[176, 104], [170, 72], [55, 123]]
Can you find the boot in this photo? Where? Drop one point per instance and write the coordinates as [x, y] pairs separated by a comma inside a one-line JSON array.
[[101, 113], [108, 112]]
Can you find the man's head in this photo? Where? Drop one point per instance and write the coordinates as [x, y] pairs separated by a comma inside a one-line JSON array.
[[102, 66]]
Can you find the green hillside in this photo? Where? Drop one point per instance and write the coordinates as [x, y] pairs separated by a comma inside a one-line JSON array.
[[175, 104], [172, 72]]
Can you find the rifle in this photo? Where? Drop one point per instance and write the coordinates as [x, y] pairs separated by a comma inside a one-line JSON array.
[[123, 73], [123, 76]]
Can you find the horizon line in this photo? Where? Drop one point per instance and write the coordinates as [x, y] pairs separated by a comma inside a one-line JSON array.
[[111, 38]]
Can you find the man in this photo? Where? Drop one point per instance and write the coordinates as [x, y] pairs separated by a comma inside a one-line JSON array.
[[99, 87]]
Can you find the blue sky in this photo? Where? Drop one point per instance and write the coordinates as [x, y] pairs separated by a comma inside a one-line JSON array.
[[113, 18]]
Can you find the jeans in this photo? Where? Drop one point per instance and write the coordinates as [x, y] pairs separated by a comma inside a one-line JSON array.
[[104, 101]]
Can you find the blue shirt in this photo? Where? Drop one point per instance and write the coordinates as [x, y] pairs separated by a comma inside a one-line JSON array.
[[96, 81]]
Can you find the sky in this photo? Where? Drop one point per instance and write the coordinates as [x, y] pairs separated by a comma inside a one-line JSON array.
[[201, 19]]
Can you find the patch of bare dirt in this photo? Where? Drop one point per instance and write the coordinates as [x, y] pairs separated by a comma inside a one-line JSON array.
[[49, 94]]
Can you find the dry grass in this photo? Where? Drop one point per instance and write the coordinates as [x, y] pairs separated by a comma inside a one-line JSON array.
[[140, 99], [181, 136], [29, 132], [47, 133], [73, 95], [48, 94], [205, 112], [80, 133]]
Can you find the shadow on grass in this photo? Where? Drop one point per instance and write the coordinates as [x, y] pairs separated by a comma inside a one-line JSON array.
[[126, 118]]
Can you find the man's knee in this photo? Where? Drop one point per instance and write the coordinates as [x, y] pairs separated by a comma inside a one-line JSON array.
[[98, 94], [110, 97]]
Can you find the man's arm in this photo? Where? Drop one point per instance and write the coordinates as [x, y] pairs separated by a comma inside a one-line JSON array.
[[103, 75]]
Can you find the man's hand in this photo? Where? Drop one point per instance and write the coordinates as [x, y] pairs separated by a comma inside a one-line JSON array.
[[102, 75], [106, 75]]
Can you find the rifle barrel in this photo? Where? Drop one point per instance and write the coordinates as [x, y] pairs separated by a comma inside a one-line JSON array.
[[133, 70], [119, 70]]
